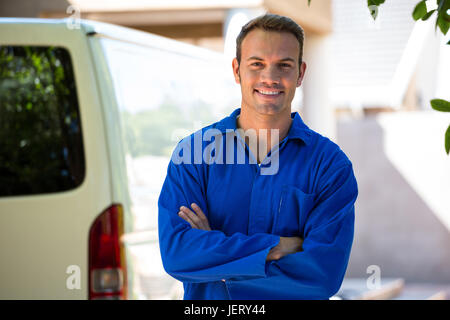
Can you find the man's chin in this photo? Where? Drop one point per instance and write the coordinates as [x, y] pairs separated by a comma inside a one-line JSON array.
[[269, 108]]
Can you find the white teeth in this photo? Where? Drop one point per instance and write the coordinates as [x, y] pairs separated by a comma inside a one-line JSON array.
[[269, 92]]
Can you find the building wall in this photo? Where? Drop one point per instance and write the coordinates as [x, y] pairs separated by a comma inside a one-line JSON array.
[[402, 211], [31, 8]]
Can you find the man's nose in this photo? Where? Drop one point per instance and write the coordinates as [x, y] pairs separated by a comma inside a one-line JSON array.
[[270, 75]]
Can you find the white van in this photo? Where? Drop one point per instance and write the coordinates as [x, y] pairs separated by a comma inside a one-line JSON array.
[[89, 116]]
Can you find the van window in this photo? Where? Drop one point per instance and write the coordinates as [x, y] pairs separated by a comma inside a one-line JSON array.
[[41, 149], [163, 95]]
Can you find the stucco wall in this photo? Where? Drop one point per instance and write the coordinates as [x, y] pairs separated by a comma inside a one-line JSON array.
[[402, 211]]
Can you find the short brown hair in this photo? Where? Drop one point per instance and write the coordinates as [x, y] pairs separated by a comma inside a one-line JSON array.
[[271, 22]]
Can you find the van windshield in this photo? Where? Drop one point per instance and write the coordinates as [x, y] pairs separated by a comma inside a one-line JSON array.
[[41, 149]]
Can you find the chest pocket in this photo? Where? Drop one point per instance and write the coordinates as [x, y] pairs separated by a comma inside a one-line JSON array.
[[293, 207]]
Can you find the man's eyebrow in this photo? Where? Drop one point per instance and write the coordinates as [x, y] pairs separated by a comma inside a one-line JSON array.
[[261, 59], [255, 58], [288, 59]]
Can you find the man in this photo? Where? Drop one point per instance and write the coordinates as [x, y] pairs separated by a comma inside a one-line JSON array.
[[228, 230]]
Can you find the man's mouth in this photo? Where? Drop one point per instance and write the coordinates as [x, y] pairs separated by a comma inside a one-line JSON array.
[[269, 93]]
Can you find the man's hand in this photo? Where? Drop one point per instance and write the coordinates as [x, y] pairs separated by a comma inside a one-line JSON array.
[[197, 220], [287, 245]]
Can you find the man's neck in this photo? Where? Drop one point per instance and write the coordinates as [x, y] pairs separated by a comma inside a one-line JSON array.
[[282, 123]]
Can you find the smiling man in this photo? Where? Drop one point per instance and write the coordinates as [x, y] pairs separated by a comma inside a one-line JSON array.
[[232, 230]]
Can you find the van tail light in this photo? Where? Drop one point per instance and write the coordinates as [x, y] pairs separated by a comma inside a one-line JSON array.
[[107, 264]]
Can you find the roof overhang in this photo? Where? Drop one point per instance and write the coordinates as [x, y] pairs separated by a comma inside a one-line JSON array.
[[315, 19]]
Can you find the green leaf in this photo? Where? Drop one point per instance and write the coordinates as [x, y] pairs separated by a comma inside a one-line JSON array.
[[373, 7], [425, 17], [420, 10], [443, 24], [447, 140], [441, 4], [440, 105], [374, 2], [309, 2]]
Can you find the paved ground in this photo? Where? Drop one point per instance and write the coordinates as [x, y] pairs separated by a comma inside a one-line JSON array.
[[166, 288], [423, 291]]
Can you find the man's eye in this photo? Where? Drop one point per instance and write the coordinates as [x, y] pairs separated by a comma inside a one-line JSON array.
[[256, 64], [285, 65]]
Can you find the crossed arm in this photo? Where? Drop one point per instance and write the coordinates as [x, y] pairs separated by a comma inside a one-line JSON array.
[[198, 220], [260, 265]]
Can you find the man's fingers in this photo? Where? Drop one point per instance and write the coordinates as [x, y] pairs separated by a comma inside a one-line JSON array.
[[186, 218], [198, 211], [197, 221], [203, 219], [192, 217]]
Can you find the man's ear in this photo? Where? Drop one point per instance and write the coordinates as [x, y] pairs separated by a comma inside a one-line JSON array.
[[301, 74], [235, 66]]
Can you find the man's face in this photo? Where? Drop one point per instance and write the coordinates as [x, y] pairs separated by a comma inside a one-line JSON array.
[[269, 71]]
